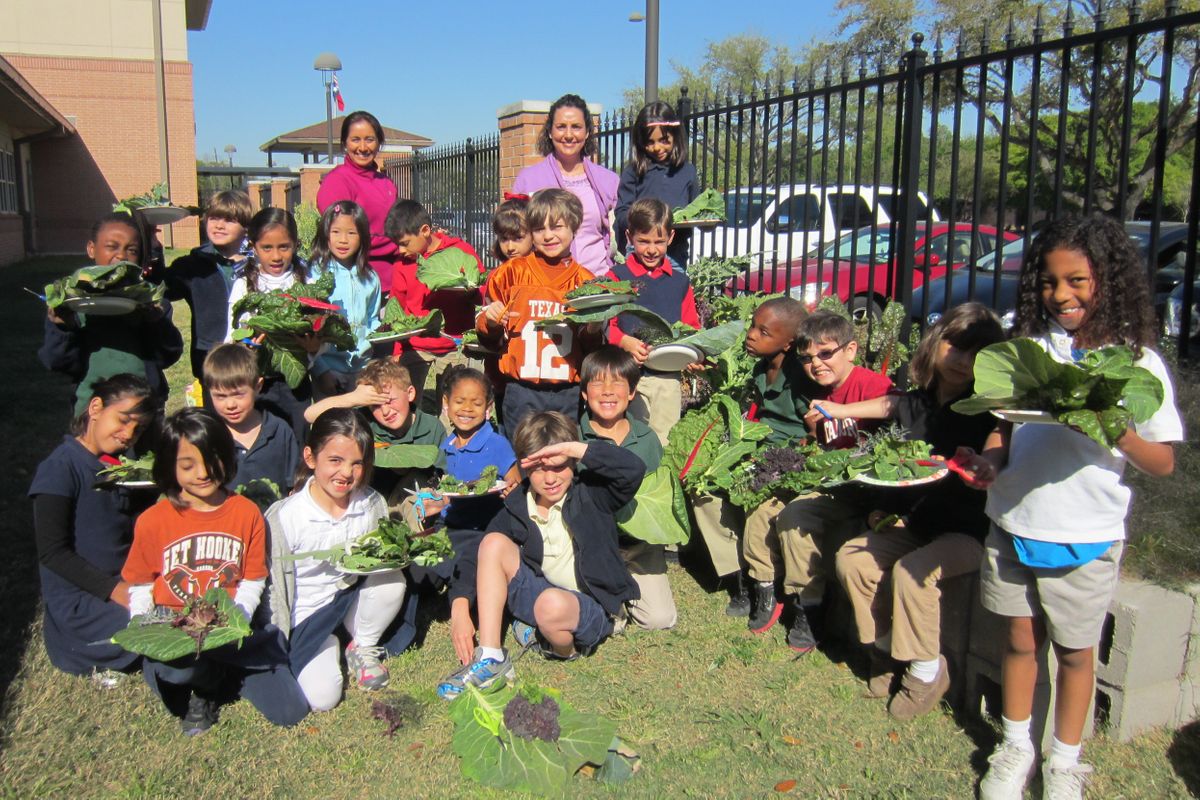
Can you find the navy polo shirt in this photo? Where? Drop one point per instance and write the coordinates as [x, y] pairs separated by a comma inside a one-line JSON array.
[[275, 455]]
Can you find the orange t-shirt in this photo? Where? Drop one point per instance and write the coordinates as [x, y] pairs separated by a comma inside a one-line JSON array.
[[186, 552], [536, 290]]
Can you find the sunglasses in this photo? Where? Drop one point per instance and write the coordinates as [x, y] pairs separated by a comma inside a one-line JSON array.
[[824, 355]]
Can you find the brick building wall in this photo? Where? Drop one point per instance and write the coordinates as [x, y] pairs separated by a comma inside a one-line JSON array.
[[112, 104], [12, 243]]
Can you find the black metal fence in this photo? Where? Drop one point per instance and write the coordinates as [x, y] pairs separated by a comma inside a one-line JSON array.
[[934, 163], [459, 184]]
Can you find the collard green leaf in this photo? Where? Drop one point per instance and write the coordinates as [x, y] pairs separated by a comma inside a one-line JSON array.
[[449, 268], [590, 315], [714, 341], [164, 641], [709, 204], [120, 279], [406, 456], [652, 514]]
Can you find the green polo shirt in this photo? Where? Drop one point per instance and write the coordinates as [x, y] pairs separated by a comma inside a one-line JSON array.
[[640, 440], [422, 429], [783, 404]]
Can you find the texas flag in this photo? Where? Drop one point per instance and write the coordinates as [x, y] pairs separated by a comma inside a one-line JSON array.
[[337, 95]]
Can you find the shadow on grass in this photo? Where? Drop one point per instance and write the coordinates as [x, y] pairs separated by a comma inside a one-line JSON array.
[[1184, 755], [36, 415]]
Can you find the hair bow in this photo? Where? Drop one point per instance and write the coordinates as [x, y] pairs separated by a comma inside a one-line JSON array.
[[515, 196]]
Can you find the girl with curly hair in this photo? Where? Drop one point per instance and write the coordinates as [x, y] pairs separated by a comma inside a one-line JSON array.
[[1057, 504]]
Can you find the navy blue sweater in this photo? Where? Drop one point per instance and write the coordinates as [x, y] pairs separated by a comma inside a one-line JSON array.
[[675, 187], [203, 278]]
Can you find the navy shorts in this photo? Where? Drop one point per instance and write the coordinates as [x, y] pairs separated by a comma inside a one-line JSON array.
[[524, 590]]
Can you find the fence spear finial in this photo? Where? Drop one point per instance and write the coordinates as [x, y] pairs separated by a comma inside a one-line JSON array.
[[937, 44], [1010, 35], [1037, 24], [1135, 11], [1069, 20]]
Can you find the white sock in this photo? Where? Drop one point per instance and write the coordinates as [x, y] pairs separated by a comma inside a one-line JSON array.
[[1063, 756], [1017, 733], [924, 671], [492, 652]]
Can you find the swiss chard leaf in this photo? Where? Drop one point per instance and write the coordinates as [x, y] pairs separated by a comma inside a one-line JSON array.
[[449, 268]]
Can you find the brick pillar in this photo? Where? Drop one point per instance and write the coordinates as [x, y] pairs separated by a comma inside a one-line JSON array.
[[279, 187], [254, 189], [520, 123], [311, 176]]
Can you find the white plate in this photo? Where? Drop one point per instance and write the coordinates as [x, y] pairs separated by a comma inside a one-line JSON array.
[[1029, 417], [395, 337], [376, 571], [164, 215], [673, 357], [599, 301], [137, 484], [934, 478], [498, 487], [101, 306], [698, 223]]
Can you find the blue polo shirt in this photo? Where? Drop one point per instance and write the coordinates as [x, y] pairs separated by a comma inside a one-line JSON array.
[[486, 448]]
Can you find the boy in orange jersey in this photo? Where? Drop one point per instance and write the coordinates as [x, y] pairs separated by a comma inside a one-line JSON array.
[[540, 363]]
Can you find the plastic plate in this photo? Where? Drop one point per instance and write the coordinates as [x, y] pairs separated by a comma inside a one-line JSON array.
[[394, 336], [599, 301], [934, 478], [698, 223], [1028, 417], [376, 571], [498, 487], [673, 357], [164, 215], [101, 306]]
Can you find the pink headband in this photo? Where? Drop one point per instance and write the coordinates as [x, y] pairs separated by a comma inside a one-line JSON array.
[[673, 124]]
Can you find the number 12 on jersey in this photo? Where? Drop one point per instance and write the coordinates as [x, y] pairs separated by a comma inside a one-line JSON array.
[[544, 352]]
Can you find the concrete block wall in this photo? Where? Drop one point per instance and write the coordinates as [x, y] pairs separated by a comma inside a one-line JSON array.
[[1146, 636], [111, 102]]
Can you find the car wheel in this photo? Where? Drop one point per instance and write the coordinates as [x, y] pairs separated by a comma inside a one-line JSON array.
[[864, 308]]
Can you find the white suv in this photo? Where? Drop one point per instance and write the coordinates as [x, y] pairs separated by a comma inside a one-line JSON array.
[[787, 222]]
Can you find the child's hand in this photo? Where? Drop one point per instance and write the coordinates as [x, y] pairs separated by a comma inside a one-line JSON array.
[[462, 634], [366, 395], [497, 314], [881, 520], [635, 347], [63, 317], [554, 455], [309, 342], [814, 415], [696, 366], [982, 470], [120, 594]]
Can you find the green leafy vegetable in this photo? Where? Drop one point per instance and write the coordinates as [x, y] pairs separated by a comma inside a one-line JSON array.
[[658, 512], [710, 274], [262, 491], [1101, 395], [709, 204], [449, 268], [494, 755], [396, 320], [122, 279], [481, 485], [705, 446], [602, 287], [283, 315], [714, 341], [392, 545], [405, 456], [157, 196], [128, 471], [202, 624]]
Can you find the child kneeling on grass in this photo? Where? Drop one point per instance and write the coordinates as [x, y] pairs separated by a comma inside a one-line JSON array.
[[551, 557]]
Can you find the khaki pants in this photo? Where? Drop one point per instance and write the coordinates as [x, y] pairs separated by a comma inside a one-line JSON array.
[[911, 607], [806, 527], [655, 609], [760, 542], [658, 402], [719, 521]]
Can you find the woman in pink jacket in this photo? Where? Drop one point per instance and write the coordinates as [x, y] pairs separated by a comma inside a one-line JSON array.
[[358, 178], [568, 145]]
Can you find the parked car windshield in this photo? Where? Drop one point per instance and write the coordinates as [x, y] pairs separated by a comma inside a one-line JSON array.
[[1011, 255], [857, 244], [742, 209]]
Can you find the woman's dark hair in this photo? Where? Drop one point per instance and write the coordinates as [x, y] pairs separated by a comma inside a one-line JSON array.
[[339, 422], [545, 145], [458, 373], [114, 389], [137, 224], [321, 257], [509, 222], [208, 435], [260, 223], [361, 116], [968, 327], [1121, 312], [657, 114]]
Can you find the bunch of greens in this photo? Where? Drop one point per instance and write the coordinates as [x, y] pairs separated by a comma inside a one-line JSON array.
[[885, 344], [706, 445], [128, 470], [286, 314], [203, 624], [658, 513], [405, 456], [392, 545], [1101, 395], [157, 196], [396, 320], [602, 287], [708, 205], [122, 279], [777, 472], [481, 485], [261, 491], [449, 268], [710, 274], [528, 739]]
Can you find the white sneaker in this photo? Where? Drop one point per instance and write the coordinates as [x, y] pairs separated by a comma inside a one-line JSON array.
[[1009, 768], [1064, 784]]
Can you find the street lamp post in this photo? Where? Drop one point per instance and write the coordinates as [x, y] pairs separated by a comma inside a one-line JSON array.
[[229, 151], [651, 20], [327, 64]]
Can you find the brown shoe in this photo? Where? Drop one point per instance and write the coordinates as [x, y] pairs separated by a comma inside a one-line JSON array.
[[917, 697], [881, 673]]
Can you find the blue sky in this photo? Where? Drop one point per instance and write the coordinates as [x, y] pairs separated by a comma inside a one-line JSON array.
[[441, 69]]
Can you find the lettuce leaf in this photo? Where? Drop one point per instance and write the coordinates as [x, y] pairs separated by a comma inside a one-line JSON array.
[[658, 512], [709, 204], [449, 268]]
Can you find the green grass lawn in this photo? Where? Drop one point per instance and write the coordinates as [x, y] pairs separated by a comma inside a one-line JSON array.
[[714, 710]]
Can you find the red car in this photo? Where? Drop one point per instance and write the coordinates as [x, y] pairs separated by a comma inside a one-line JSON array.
[[859, 267]]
